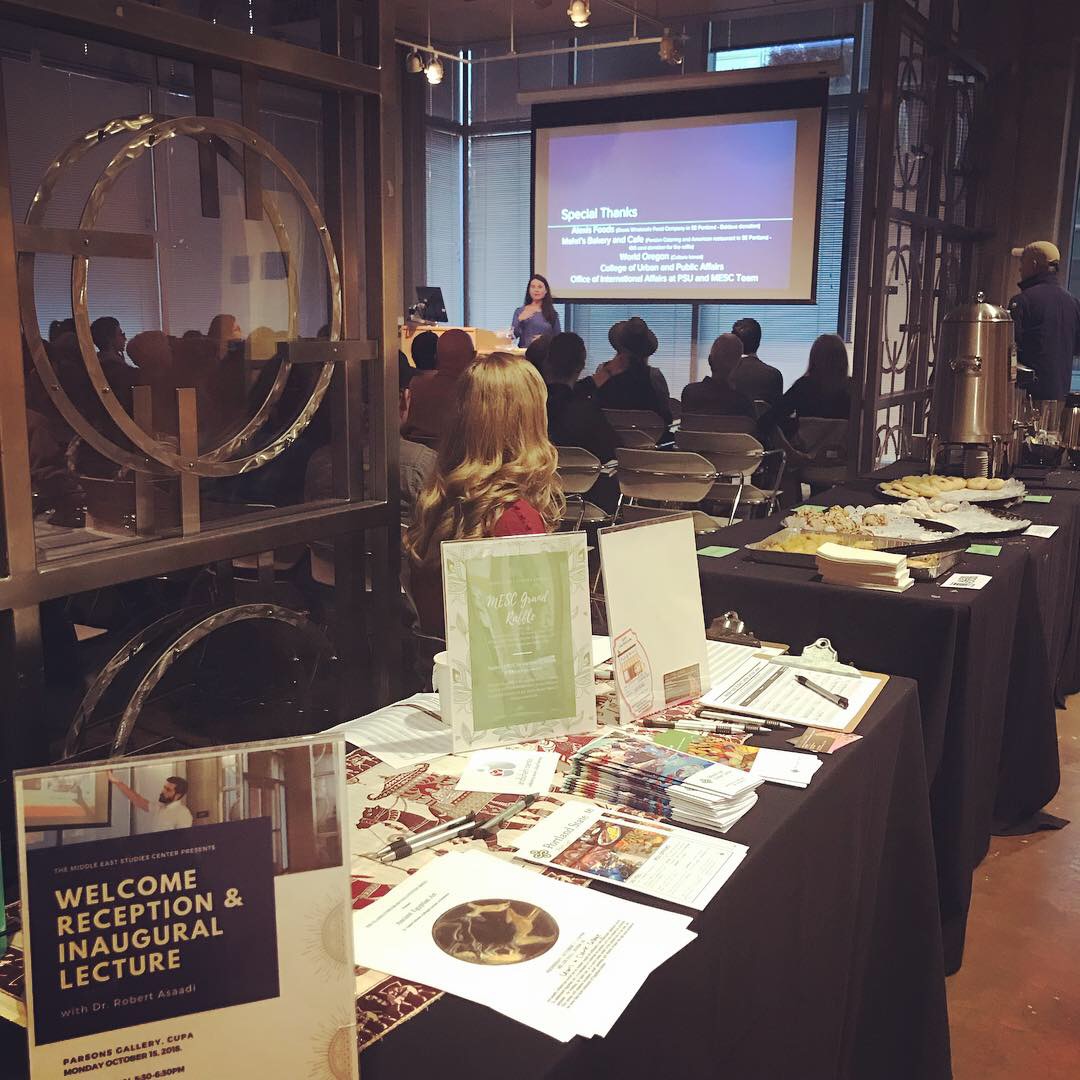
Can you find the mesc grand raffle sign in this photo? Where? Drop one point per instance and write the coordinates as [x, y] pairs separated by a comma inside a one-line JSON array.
[[185, 915]]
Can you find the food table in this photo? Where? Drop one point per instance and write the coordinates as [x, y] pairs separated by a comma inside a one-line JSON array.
[[820, 958], [980, 660]]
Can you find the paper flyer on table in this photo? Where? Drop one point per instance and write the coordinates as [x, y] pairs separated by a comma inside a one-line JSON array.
[[657, 624], [557, 957], [518, 639], [509, 772], [154, 948], [756, 687], [403, 734], [659, 860]]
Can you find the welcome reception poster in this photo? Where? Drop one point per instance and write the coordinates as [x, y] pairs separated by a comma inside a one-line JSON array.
[[518, 638], [186, 915]]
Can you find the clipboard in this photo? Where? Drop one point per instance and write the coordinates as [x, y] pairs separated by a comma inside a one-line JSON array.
[[789, 716]]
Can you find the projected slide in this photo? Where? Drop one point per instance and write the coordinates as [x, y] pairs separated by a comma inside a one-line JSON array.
[[705, 208]]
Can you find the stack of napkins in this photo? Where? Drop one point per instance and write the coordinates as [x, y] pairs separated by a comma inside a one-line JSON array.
[[862, 568], [632, 770], [785, 767]]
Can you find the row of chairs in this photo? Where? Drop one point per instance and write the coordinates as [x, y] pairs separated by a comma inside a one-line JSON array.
[[823, 440], [641, 429], [706, 469]]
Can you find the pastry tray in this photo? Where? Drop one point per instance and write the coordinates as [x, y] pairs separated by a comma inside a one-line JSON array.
[[757, 552]]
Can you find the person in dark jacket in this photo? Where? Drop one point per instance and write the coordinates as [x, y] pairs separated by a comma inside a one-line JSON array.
[[1047, 321], [752, 376], [626, 381], [425, 351], [715, 395], [574, 418]]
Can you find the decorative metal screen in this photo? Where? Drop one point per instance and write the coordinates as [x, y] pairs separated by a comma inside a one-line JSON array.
[[919, 217]]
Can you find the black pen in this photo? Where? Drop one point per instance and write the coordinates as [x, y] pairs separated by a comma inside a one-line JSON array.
[[828, 695]]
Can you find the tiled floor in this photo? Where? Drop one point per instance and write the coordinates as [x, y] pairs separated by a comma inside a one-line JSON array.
[[1014, 1006]]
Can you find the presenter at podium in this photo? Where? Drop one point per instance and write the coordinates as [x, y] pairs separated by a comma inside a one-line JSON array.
[[537, 316]]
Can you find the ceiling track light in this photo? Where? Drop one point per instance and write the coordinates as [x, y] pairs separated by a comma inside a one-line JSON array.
[[670, 48], [434, 70], [579, 13]]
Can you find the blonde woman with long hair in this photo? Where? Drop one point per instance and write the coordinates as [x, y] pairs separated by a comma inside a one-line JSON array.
[[495, 474]]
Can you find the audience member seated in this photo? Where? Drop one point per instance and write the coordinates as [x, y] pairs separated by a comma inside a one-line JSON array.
[[111, 342], [574, 418], [425, 348], [752, 377], [496, 475], [433, 397], [537, 351], [55, 487], [626, 380], [59, 327], [715, 394], [417, 462], [825, 389], [152, 355], [225, 332]]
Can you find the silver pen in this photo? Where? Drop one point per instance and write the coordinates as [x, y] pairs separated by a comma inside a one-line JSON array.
[[426, 840], [411, 838], [837, 699]]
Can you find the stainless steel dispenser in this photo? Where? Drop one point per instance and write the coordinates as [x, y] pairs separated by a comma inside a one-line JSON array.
[[971, 419]]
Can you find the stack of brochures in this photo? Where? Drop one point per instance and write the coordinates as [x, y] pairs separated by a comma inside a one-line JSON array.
[[864, 569], [634, 771]]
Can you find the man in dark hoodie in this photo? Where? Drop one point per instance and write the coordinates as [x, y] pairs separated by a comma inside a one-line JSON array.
[[1047, 321], [433, 397]]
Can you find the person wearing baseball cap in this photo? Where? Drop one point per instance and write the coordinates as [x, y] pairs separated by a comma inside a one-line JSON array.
[[1047, 319]]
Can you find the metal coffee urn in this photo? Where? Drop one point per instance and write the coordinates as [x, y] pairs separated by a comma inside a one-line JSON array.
[[971, 404]]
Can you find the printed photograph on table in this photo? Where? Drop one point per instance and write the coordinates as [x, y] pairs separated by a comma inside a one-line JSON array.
[[518, 639], [611, 850], [199, 897]]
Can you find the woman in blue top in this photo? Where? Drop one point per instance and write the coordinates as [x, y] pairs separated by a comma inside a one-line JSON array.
[[537, 316]]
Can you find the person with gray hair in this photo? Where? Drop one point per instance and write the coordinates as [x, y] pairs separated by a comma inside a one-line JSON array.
[[715, 395]]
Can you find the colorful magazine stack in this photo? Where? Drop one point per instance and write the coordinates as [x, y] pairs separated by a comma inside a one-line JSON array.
[[633, 770]]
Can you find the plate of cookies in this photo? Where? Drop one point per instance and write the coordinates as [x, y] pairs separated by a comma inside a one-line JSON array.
[[975, 489]]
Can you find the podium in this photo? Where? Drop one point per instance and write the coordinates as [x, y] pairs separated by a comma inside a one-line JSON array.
[[484, 341]]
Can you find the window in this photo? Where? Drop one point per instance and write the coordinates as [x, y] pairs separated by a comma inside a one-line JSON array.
[[801, 52], [444, 241], [498, 227]]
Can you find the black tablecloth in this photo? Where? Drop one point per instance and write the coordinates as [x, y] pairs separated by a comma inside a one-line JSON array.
[[1057, 562], [1054, 479], [979, 658], [820, 959]]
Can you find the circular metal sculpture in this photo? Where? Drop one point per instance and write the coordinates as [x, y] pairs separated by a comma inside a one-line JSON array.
[[171, 638], [145, 132]]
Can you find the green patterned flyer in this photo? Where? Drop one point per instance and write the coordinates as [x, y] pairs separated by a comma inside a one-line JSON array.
[[519, 638]]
